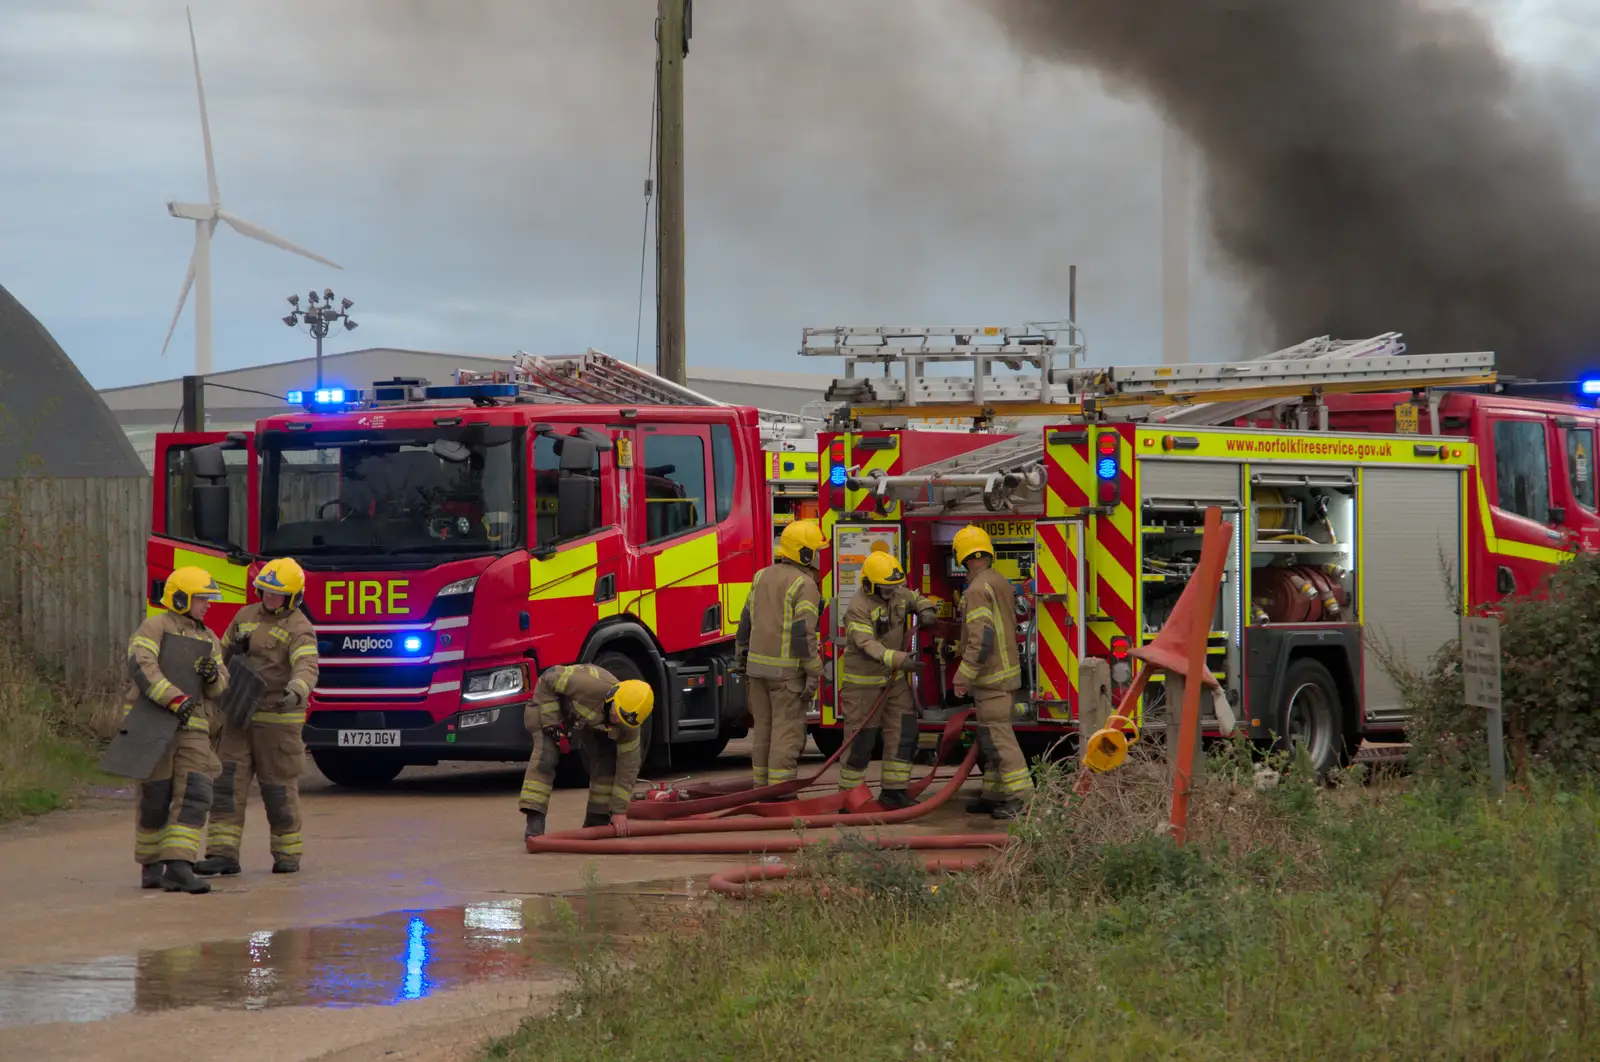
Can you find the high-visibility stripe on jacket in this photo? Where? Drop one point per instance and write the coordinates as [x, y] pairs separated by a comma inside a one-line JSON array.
[[989, 633], [574, 696], [777, 636], [876, 632]]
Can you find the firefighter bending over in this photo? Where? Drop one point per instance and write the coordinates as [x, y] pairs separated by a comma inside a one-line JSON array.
[[282, 644], [991, 672], [879, 656], [175, 800], [585, 705], [777, 652]]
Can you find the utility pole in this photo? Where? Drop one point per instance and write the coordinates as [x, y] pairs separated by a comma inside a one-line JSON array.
[[673, 28], [320, 315], [194, 403]]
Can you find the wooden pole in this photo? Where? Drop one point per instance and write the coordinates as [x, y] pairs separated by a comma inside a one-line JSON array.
[[672, 44], [194, 403]]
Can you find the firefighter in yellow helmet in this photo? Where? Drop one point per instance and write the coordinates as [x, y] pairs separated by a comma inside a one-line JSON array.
[[585, 706], [280, 641], [878, 657], [777, 651], [990, 670], [174, 801]]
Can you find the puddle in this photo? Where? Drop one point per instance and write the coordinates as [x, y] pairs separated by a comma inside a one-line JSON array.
[[384, 960]]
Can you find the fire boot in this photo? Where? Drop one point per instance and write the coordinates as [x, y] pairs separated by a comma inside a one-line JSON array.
[[285, 865], [894, 799], [150, 876], [596, 818], [217, 864], [535, 824], [980, 805], [1010, 809], [180, 877]]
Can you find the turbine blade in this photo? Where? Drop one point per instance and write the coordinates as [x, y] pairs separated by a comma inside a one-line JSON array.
[[205, 122], [183, 297], [256, 232]]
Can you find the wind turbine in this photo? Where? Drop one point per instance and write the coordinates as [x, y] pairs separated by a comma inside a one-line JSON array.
[[205, 217]]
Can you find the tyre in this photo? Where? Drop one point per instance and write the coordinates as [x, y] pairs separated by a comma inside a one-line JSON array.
[[698, 755], [356, 770], [827, 738], [1310, 714]]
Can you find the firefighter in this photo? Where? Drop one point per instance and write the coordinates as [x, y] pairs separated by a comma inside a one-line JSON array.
[[174, 801], [280, 641], [877, 657], [990, 671], [777, 650], [587, 706]]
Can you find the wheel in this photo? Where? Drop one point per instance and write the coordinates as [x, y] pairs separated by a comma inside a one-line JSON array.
[[698, 755], [1310, 714], [356, 770], [827, 738]]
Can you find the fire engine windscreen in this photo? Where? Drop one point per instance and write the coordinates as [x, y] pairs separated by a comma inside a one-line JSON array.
[[455, 491]]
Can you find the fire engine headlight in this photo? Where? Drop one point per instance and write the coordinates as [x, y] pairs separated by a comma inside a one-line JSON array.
[[460, 586], [496, 682]]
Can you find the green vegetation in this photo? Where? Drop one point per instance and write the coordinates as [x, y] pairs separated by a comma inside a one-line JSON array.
[[48, 739]]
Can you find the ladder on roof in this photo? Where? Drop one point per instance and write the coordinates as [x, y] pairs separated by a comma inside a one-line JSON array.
[[1004, 475], [597, 378], [1037, 385]]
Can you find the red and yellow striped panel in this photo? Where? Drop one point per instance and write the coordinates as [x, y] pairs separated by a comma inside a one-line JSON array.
[[1055, 570], [863, 462]]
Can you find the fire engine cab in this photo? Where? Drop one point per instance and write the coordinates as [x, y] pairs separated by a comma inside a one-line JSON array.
[[1359, 534], [459, 538]]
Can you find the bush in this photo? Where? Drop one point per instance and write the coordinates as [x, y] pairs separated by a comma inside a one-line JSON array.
[[49, 735], [1550, 678]]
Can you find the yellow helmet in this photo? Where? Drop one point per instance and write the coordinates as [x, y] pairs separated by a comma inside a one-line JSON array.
[[802, 542], [283, 576], [185, 586], [969, 540], [881, 569], [632, 702]]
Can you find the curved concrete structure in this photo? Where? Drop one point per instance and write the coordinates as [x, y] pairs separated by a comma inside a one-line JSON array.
[[52, 423]]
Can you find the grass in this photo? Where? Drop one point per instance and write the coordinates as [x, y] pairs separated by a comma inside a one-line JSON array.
[[49, 739], [1364, 921]]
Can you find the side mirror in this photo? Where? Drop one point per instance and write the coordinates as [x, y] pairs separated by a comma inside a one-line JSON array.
[[575, 498], [450, 450], [577, 455], [209, 497]]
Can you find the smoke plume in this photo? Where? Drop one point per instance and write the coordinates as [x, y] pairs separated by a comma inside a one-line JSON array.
[[1370, 165]]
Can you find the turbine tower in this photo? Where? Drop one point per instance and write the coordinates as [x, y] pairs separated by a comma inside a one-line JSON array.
[[205, 217]]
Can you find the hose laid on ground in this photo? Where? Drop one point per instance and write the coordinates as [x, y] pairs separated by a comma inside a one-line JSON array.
[[672, 833]]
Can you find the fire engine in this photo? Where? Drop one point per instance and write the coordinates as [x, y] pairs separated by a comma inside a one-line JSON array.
[[458, 538], [1374, 495]]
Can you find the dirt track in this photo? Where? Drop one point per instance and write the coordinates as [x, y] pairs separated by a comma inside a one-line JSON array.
[[82, 941]]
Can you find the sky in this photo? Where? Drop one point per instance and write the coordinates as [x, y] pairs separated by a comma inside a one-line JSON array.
[[477, 168]]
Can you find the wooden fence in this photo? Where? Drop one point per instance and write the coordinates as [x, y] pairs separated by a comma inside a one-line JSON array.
[[72, 570]]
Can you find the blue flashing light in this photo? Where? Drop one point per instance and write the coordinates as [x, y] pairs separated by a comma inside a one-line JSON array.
[[837, 475], [329, 396], [412, 643], [1590, 387], [1106, 468], [296, 398]]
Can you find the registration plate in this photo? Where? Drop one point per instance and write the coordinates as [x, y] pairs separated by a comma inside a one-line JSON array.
[[369, 738]]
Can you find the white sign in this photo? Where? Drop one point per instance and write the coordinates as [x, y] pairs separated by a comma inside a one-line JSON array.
[[851, 544], [1480, 661]]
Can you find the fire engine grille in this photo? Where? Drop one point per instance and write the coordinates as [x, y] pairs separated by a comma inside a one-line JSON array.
[[407, 677], [403, 719]]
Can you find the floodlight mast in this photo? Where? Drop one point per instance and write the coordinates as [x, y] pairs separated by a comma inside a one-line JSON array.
[[319, 315]]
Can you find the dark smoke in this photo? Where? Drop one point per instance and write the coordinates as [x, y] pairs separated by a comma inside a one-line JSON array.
[[1370, 165]]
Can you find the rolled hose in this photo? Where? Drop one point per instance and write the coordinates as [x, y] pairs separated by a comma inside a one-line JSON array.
[[673, 833]]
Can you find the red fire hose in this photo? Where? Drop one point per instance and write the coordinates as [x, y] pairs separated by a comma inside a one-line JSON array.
[[658, 827]]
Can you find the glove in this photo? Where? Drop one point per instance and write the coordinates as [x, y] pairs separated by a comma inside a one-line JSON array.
[[183, 708], [289, 701], [619, 822], [558, 734], [208, 668], [810, 693], [738, 666], [927, 617], [904, 662]]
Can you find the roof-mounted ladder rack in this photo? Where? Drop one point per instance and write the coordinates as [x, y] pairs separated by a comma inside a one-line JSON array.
[[1038, 387]]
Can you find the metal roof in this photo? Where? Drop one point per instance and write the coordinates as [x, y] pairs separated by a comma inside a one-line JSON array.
[[53, 422]]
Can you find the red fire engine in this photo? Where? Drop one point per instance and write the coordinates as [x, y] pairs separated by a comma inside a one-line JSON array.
[[1374, 495], [459, 538]]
